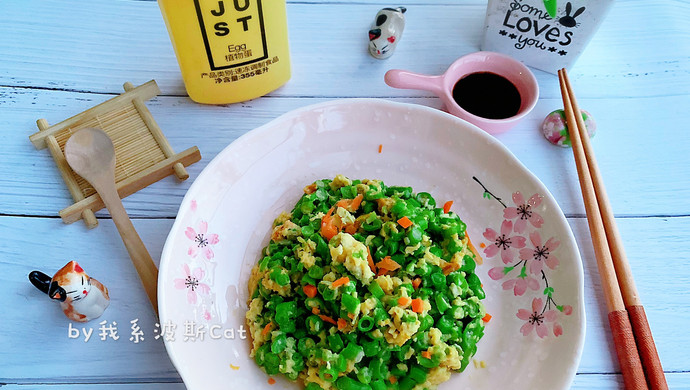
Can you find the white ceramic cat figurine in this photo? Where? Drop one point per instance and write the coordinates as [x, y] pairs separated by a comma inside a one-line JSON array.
[[386, 31], [81, 297]]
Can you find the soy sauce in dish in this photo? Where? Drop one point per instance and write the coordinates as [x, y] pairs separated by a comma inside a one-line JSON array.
[[487, 95]]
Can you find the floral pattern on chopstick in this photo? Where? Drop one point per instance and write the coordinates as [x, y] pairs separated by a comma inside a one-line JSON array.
[[198, 272], [527, 260]]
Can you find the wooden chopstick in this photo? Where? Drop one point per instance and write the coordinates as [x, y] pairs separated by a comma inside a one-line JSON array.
[[619, 321], [643, 334]]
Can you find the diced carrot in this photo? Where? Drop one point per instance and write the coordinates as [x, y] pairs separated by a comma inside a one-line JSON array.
[[356, 202], [388, 264], [341, 324], [416, 282], [342, 281], [426, 354], [450, 268], [350, 316], [370, 260], [315, 310], [417, 305], [380, 147], [405, 222], [382, 271], [393, 379], [327, 319], [350, 205], [267, 329], [447, 206], [328, 229], [404, 301], [474, 250], [310, 189], [487, 317], [271, 381], [351, 228], [309, 290]]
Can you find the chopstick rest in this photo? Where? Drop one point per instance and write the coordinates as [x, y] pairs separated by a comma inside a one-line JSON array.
[[555, 129]]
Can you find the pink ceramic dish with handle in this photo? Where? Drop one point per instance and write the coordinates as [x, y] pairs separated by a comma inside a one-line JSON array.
[[484, 61]]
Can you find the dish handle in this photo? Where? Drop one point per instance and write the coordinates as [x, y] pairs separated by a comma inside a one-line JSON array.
[[398, 78]]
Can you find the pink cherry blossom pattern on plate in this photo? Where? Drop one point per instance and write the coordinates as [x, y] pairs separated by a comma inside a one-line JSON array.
[[524, 212], [520, 284], [540, 254], [202, 241], [536, 319], [557, 328], [503, 242], [192, 282]]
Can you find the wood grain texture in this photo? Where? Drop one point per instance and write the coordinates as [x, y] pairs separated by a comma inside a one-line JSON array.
[[41, 326], [58, 58], [679, 380], [658, 158], [329, 47]]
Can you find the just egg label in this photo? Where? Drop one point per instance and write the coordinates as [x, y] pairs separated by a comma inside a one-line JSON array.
[[233, 32]]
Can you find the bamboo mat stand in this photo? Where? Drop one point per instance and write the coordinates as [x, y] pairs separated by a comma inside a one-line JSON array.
[[143, 154]]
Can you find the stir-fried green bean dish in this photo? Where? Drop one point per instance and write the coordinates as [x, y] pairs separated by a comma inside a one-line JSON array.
[[364, 286]]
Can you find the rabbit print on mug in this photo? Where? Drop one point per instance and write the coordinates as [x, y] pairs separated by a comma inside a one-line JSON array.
[[386, 31], [567, 20], [81, 297]]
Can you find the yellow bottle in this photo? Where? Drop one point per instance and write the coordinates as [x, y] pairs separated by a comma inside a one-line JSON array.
[[229, 50]]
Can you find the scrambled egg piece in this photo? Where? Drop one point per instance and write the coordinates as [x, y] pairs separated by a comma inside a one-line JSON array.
[[385, 204], [353, 254], [399, 331], [435, 377], [254, 279], [345, 217], [329, 277], [305, 253], [340, 181], [435, 336], [452, 355], [368, 305], [284, 216], [388, 283], [255, 330], [287, 231], [411, 249], [269, 284], [312, 375], [431, 258]]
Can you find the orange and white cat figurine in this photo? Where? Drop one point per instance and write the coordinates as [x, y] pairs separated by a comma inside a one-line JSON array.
[[81, 297]]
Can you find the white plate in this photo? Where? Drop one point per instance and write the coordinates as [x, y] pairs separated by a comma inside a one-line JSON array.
[[226, 217]]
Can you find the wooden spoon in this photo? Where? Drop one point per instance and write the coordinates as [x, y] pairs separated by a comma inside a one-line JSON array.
[[91, 154]]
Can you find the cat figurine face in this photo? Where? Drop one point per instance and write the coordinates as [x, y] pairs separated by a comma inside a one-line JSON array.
[[82, 298], [386, 31]]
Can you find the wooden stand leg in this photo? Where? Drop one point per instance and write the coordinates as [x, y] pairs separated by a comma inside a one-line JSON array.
[[157, 133], [87, 215]]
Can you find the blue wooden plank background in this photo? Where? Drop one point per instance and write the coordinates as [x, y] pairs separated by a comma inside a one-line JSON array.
[[58, 58]]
